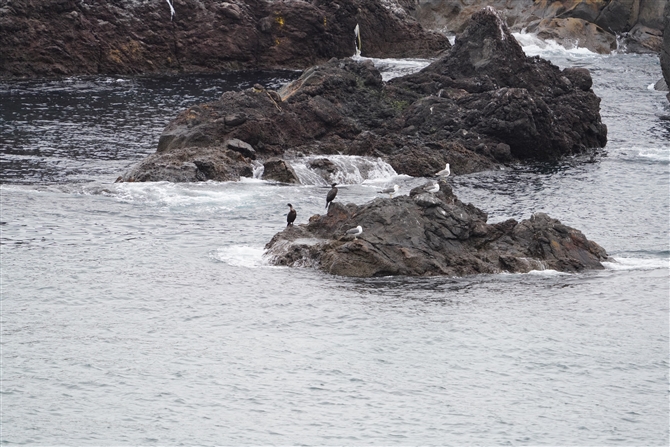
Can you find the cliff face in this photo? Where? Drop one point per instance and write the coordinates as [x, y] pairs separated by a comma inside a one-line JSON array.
[[592, 24], [69, 37]]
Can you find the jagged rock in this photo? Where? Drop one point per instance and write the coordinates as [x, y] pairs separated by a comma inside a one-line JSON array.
[[505, 96], [481, 104], [279, 170], [430, 234], [54, 38]]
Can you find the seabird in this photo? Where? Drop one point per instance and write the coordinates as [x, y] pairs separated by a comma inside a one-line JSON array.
[[331, 194], [290, 217], [389, 191], [355, 232], [444, 172], [431, 187]]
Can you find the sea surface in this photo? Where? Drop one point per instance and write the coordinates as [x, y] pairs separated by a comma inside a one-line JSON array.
[[146, 313]]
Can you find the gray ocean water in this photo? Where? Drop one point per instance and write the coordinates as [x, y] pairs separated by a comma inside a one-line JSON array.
[[146, 314]]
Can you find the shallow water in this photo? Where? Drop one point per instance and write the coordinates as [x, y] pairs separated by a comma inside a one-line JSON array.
[[146, 313]]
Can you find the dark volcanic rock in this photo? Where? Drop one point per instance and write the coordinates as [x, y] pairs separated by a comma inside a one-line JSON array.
[[482, 104], [279, 170], [68, 37], [525, 102], [430, 234], [191, 164], [241, 147]]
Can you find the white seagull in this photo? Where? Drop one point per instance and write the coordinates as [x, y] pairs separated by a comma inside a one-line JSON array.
[[355, 232], [444, 172], [431, 187], [389, 191]]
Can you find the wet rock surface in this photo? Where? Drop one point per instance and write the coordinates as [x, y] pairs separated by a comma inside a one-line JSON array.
[[428, 234], [279, 170], [482, 104], [68, 37]]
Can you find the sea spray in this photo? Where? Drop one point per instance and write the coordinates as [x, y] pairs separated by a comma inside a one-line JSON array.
[[347, 170]]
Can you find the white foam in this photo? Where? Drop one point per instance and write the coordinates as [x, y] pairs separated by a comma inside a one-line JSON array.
[[240, 256], [637, 264], [393, 68], [375, 182], [205, 196], [657, 154], [534, 46], [351, 170], [547, 272], [544, 272]]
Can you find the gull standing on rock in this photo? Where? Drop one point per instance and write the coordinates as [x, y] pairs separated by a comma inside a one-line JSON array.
[[331, 194], [290, 217], [431, 187], [444, 172], [389, 191], [355, 232]]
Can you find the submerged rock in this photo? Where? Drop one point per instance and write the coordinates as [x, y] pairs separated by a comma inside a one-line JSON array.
[[427, 234], [482, 104]]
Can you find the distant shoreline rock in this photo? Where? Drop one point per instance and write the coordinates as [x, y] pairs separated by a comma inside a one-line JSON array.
[[427, 234], [602, 26], [481, 105]]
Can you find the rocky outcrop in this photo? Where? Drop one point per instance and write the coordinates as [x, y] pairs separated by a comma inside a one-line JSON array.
[[69, 37], [482, 104], [592, 24], [427, 234]]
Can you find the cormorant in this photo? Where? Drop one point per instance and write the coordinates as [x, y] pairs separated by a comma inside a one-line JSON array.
[[331, 194], [290, 217]]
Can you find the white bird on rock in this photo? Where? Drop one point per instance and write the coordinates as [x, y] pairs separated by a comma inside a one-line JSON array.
[[389, 191], [355, 232], [444, 172], [432, 187]]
